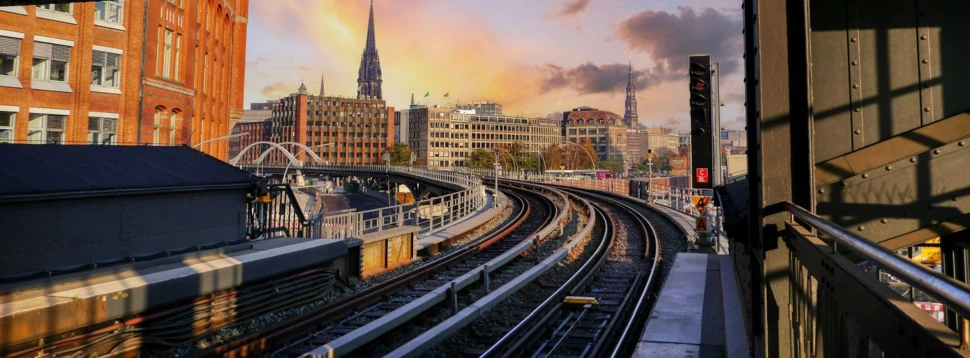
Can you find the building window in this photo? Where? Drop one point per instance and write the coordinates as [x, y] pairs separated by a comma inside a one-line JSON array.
[[63, 8], [46, 128], [174, 122], [110, 11], [157, 126], [9, 53], [105, 69], [167, 55], [50, 62], [102, 130], [7, 120], [178, 56]]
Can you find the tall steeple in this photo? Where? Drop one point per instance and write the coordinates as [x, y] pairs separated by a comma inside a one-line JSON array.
[[412, 99], [630, 117], [369, 76], [321, 85], [302, 89]]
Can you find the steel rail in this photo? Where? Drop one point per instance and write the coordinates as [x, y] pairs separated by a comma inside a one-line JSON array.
[[349, 342], [952, 293], [445, 329], [585, 273], [295, 327]]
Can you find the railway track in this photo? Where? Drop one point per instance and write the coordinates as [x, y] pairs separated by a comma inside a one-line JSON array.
[[608, 304], [339, 323]]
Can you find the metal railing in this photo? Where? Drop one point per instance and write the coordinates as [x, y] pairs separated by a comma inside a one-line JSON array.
[[278, 213], [838, 309]]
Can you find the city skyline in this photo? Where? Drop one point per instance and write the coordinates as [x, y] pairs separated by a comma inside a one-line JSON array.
[[534, 58]]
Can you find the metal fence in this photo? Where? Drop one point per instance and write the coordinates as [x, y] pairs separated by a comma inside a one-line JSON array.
[[277, 211]]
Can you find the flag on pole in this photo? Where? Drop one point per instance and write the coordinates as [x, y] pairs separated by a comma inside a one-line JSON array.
[[446, 94], [427, 94]]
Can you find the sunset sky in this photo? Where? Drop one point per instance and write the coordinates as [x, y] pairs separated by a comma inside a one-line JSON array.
[[535, 57]]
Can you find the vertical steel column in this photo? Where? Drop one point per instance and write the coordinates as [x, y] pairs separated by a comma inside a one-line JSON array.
[[780, 160]]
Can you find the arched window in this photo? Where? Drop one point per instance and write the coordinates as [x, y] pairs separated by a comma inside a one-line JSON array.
[[157, 126], [174, 123]]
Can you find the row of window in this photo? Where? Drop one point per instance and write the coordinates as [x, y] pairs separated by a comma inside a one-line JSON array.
[[382, 115], [107, 11], [51, 62], [287, 104], [45, 128], [346, 124], [591, 121]]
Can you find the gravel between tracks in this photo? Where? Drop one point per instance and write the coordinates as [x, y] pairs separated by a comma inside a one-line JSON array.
[[507, 273], [269, 319]]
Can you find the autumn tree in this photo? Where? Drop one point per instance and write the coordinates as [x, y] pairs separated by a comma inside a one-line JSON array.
[[400, 154], [481, 159]]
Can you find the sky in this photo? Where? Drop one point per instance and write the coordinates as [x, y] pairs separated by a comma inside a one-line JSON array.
[[535, 57]]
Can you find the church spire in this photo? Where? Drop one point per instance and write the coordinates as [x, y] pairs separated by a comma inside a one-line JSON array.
[[321, 85], [412, 99], [369, 76], [630, 117]]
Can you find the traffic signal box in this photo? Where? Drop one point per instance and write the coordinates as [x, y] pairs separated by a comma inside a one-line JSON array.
[[701, 128]]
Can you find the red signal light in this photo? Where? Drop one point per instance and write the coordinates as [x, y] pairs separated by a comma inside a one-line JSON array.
[[699, 85]]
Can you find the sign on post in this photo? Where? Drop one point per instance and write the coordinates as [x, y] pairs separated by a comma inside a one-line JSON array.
[[700, 202], [700, 224], [702, 176]]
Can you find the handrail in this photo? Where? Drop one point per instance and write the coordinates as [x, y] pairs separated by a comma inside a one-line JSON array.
[[952, 293]]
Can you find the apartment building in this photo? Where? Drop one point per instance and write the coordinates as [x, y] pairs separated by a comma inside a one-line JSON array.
[[536, 134], [603, 129], [341, 130], [251, 128], [438, 136], [72, 73]]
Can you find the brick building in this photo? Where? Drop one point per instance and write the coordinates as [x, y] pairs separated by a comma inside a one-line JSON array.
[[604, 130], [72, 73], [69, 73], [256, 124], [359, 129], [194, 69]]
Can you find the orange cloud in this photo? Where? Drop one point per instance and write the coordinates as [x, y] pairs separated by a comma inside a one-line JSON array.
[[419, 51]]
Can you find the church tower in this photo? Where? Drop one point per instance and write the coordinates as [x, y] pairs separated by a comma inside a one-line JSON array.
[[630, 117], [369, 76]]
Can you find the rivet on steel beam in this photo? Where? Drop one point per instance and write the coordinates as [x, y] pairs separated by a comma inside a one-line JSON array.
[[884, 220], [852, 39], [857, 109], [889, 167], [860, 228], [926, 61], [857, 132], [936, 151], [855, 85], [926, 109], [865, 176], [922, 37], [821, 191], [855, 63], [844, 184], [953, 198], [961, 143], [912, 160]]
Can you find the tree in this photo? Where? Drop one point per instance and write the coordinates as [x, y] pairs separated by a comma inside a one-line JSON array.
[[661, 159], [615, 166], [400, 154], [553, 156], [578, 158], [481, 159]]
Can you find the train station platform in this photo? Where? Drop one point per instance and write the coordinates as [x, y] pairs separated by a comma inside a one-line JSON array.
[[698, 313], [35, 309], [433, 242]]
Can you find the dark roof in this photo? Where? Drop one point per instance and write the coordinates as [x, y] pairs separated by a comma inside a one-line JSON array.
[[31, 169]]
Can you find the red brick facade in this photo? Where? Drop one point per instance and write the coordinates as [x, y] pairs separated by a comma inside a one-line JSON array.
[[82, 82], [194, 70], [75, 100]]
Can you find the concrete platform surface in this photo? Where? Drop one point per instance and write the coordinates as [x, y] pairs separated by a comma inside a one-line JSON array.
[[697, 313], [63, 307], [473, 221]]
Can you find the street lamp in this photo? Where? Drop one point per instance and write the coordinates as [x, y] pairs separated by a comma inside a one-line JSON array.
[[497, 168], [387, 174], [221, 138]]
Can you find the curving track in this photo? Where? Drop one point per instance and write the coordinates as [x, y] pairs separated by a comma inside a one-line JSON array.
[[621, 268], [345, 318]]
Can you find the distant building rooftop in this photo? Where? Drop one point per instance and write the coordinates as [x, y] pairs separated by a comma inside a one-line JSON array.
[[51, 170]]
